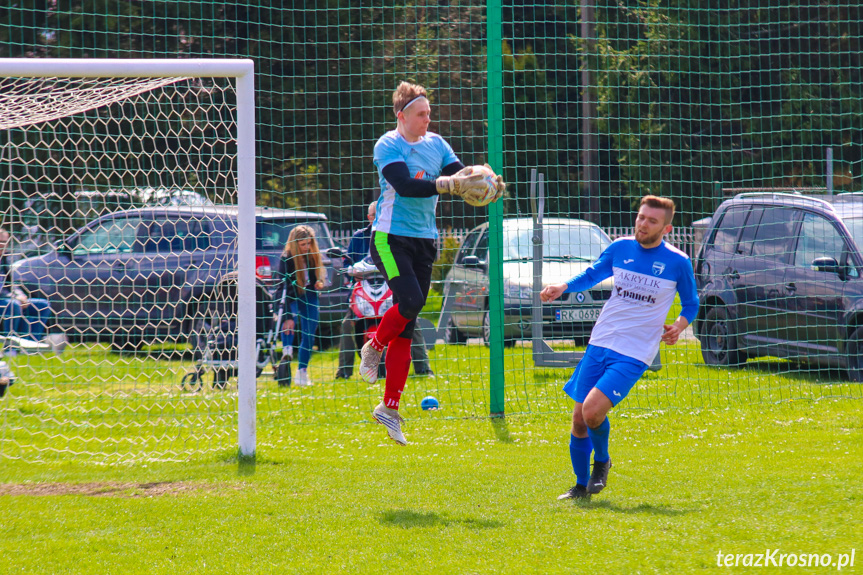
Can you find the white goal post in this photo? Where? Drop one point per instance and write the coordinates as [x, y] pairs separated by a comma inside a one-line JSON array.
[[40, 105]]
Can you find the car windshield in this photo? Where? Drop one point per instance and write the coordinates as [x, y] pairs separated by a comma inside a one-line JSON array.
[[563, 242], [273, 234]]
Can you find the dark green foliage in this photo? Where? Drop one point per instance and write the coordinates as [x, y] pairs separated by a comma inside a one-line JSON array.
[[689, 92], [744, 96]]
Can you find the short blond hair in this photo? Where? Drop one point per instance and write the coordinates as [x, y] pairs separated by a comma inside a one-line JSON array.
[[405, 93], [666, 204]]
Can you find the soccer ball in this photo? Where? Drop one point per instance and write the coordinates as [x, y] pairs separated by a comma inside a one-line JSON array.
[[489, 181], [429, 402]]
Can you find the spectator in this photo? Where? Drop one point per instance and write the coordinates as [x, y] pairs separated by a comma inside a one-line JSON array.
[[361, 241], [23, 316], [299, 279]]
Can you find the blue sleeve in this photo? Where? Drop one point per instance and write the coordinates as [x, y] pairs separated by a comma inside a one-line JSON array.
[[354, 248], [386, 152], [601, 269], [687, 290]]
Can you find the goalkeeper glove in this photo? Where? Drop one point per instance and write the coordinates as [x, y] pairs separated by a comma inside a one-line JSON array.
[[460, 183], [499, 184]]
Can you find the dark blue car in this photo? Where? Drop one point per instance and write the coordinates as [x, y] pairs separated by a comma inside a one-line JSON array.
[[138, 276], [782, 275]]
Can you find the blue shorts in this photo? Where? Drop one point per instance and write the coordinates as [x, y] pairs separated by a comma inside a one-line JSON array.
[[614, 374]]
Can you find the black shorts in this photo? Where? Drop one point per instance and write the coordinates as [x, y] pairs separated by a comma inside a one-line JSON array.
[[407, 264], [403, 256]]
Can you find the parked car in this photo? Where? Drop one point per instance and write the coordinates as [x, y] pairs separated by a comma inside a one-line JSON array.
[[569, 247], [172, 197], [47, 216], [138, 275], [780, 275]]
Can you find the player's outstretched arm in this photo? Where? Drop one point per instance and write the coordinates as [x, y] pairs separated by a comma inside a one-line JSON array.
[[552, 292], [671, 333]]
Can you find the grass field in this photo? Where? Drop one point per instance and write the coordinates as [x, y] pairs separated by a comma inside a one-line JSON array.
[[467, 496], [107, 466], [96, 406]]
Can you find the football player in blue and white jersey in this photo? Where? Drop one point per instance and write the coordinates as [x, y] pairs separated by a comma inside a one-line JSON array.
[[415, 167], [647, 274]]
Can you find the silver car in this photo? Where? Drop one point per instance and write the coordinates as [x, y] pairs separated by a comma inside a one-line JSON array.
[[569, 247]]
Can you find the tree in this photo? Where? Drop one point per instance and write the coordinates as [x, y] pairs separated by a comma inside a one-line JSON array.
[[740, 95]]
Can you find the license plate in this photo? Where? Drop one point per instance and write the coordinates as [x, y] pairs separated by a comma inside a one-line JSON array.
[[578, 314]]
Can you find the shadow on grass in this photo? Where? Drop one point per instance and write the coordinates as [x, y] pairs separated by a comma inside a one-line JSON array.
[[641, 508], [407, 519], [810, 373], [246, 465], [501, 430]]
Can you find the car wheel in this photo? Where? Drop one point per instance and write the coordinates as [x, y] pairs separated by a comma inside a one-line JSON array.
[[191, 381], [719, 345], [452, 335], [508, 341], [486, 328], [854, 347]]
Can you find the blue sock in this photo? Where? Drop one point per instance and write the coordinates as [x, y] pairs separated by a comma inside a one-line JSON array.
[[599, 437], [579, 453]]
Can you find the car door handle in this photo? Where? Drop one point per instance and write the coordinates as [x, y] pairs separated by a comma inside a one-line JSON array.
[[790, 287], [119, 263], [734, 275]]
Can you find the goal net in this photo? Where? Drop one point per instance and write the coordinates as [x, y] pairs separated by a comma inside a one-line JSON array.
[[128, 199]]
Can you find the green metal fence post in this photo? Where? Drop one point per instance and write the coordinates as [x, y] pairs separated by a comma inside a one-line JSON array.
[[494, 20]]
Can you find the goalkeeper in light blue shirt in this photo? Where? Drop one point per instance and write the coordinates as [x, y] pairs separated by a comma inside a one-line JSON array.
[[647, 274], [415, 167]]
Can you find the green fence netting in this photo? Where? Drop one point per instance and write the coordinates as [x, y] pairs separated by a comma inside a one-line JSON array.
[[583, 107]]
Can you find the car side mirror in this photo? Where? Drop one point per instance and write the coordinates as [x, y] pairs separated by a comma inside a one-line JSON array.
[[63, 249], [470, 262], [826, 264]]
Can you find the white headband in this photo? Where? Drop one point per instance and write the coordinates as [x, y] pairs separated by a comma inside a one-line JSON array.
[[409, 103]]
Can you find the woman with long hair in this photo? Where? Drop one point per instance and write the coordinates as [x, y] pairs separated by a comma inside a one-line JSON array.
[[299, 279]]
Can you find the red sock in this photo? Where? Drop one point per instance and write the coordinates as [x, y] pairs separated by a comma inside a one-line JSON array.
[[392, 324], [398, 364]]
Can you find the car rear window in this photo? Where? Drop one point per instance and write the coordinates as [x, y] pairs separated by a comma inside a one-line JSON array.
[[729, 228], [174, 236], [775, 233], [273, 234]]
